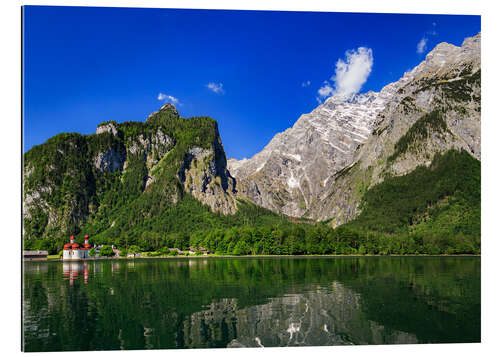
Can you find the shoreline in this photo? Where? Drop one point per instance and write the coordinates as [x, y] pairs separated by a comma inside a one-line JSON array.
[[213, 256]]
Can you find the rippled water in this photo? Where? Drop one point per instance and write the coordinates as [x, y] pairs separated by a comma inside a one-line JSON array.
[[252, 302]]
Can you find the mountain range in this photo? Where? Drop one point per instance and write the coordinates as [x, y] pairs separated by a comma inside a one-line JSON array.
[[337, 165], [297, 173]]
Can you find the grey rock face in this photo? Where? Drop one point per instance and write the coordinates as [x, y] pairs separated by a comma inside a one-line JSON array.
[[151, 148], [109, 161], [34, 198], [107, 128], [204, 174], [297, 173], [294, 168]]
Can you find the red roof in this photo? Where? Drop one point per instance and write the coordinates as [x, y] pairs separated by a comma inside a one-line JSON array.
[[87, 246], [67, 246], [75, 246]]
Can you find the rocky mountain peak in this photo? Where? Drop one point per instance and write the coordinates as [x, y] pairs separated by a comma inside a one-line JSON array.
[[299, 165], [170, 108], [472, 43], [165, 108], [446, 59]]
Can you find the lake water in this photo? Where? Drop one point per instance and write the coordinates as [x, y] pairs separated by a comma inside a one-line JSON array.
[[253, 302]]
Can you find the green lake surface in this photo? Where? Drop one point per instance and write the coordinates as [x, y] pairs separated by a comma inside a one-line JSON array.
[[250, 302]]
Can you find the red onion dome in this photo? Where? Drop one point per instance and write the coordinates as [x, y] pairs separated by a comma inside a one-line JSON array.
[[67, 246], [75, 246], [86, 236], [72, 237]]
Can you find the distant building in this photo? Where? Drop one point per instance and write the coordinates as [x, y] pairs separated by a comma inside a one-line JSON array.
[[35, 254], [200, 250], [204, 251], [73, 250], [177, 250]]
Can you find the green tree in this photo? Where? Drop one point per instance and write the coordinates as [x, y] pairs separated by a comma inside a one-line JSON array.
[[133, 249], [241, 248], [106, 251]]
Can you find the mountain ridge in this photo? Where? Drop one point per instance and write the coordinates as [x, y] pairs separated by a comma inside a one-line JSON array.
[[294, 188], [166, 181]]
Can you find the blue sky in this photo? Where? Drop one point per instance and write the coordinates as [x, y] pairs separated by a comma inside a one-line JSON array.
[[254, 72]]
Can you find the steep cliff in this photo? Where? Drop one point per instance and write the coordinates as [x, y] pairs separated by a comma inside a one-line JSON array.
[[321, 167]]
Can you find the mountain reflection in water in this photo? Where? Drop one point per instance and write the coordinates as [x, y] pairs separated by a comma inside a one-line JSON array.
[[315, 318], [250, 302]]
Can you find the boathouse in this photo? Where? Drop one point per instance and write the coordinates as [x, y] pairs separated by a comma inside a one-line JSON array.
[[35, 254]]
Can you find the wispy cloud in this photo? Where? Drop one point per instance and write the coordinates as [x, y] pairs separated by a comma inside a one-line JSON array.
[[167, 98], [422, 45], [216, 87], [306, 84], [432, 31], [350, 74], [326, 90]]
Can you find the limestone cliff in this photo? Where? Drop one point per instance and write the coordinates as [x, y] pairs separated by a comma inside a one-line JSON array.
[[321, 167]]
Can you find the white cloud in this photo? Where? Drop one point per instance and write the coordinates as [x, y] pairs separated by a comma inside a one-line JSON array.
[[167, 98], [326, 90], [306, 84], [422, 45], [216, 88], [350, 74]]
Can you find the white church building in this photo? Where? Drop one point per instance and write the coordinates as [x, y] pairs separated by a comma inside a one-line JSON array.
[[73, 250]]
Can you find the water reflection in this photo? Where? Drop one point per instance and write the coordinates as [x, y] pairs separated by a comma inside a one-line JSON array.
[[319, 317], [35, 268], [197, 303], [73, 270]]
